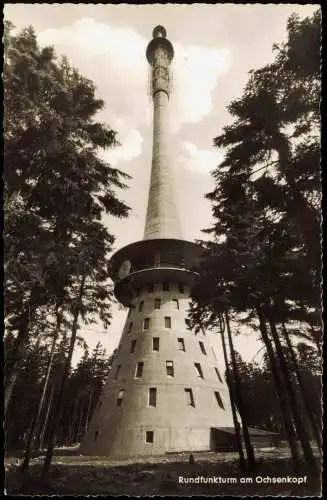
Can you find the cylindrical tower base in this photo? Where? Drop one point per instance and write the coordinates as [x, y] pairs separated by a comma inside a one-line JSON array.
[[165, 392]]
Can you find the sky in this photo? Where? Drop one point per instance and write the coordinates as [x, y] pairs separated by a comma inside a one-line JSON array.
[[216, 45]]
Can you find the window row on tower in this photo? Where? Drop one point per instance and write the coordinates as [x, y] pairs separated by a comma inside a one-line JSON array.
[[149, 436], [147, 323], [156, 344], [180, 345], [170, 370], [156, 305], [188, 395], [164, 286]]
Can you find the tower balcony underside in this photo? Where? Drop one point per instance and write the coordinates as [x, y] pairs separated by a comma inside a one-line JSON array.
[[153, 261], [125, 289]]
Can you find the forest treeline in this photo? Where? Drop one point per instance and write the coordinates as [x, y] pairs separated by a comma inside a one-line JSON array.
[[57, 189], [261, 268]]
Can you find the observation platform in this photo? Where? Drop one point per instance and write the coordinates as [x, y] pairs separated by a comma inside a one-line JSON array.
[[153, 261]]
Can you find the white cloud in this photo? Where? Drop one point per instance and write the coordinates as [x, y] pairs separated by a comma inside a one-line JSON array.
[[114, 58], [130, 148], [196, 74], [199, 160]]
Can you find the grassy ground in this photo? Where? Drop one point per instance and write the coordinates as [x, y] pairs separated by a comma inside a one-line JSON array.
[[72, 474]]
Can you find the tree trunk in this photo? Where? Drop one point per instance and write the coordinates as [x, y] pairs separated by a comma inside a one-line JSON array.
[[91, 389], [13, 367], [284, 406], [316, 430], [80, 423], [239, 399], [300, 427], [55, 415], [46, 420], [36, 420], [10, 383], [232, 400], [88, 411], [73, 433], [55, 424]]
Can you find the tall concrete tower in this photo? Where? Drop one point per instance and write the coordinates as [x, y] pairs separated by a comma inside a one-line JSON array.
[[165, 391]]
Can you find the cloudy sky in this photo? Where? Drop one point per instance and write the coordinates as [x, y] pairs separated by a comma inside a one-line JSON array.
[[215, 48]]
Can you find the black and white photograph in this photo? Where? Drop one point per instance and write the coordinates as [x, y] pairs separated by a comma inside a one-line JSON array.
[[162, 249]]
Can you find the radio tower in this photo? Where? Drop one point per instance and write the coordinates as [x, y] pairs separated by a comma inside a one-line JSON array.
[[165, 391]]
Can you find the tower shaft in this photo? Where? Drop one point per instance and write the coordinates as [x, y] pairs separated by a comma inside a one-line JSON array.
[[162, 219]]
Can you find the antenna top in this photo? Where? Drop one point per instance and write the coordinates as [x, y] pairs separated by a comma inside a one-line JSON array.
[[159, 40], [159, 32]]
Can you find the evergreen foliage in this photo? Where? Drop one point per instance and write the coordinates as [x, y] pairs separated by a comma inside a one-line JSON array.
[[57, 248], [57, 189], [264, 257], [261, 399]]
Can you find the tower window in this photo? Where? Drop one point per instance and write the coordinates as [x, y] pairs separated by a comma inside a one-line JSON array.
[[133, 344], [146, 323], [167, 322], [175, 304], [181, 288], [117, 371], [189, 397], [149, 436], [201, 344], [157, 303], [219, 400], [165, 287], [155, 344], [181, 344], [198, 370], [139, 369], [150, 288], [141, 304], [170, 368], [120, 397], [218, 375], [96, 434], [152, 396], [130, 326], [138, 292]]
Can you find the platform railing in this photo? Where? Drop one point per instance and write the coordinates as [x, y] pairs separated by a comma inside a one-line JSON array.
[[152, 265]]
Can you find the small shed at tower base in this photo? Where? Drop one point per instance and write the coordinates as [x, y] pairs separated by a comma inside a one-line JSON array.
[[224, 438]]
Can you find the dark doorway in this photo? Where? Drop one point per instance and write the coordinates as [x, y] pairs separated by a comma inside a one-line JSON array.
[[221, 441]]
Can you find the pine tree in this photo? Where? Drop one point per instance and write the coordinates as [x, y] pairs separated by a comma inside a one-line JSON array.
[[265, 253], [53, 228]]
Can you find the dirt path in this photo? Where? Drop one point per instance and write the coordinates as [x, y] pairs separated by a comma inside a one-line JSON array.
[[211, 474]]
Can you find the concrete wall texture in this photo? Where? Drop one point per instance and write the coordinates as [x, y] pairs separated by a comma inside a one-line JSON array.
[[162, 219], [122, 429]]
